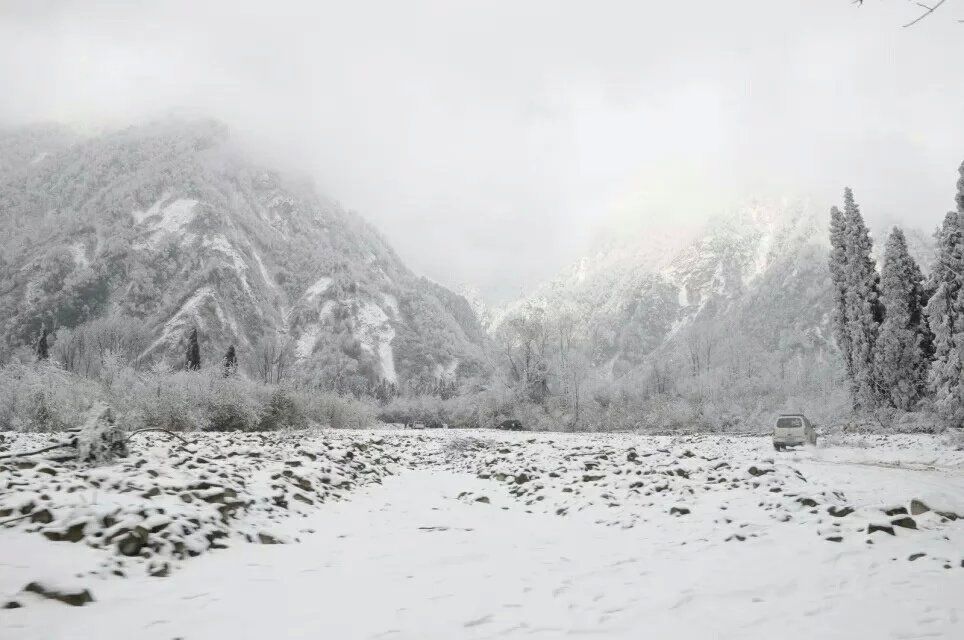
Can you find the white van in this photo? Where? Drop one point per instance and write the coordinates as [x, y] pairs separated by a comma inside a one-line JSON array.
[[793, 430]]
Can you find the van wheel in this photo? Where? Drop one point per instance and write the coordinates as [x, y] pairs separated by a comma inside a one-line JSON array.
[[778, 447]]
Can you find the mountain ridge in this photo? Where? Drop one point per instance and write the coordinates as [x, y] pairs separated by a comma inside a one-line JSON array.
[[639, 295], [173, 225]]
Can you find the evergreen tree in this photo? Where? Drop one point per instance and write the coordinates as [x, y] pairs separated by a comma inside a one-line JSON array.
[[230, 362], [944, 314], [193, 352], [899, 357], [838, 277], [43, 349], [960, 189], [862, 304]]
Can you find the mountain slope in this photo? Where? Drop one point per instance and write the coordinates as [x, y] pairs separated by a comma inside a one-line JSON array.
[[758, 275], [171, 224]]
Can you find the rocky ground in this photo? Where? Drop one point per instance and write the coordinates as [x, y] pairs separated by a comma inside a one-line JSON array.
[[515, 534], [168, 501]]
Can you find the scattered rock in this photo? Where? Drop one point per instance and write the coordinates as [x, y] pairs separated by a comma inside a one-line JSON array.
[[839, 512], [75, 597], [267, 538], [906, 523], [916, 556], [130, 545], [73, 533], [681, 511], [755, 471], [873, 528], [42, 516], [917, 507]]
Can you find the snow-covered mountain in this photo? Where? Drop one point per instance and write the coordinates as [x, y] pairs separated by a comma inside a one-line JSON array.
[[171, 224], [759, 273]]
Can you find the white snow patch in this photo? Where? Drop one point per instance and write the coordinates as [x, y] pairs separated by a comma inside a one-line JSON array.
[[32, 293], [189, 312], [392, 303], [319, 287], [190, 306], [375, 334], [176, 215], [309, 335], [306, 341], [79, 253], [140, 216], [166, 219], [264, 272], [447, 372], [221, 244]]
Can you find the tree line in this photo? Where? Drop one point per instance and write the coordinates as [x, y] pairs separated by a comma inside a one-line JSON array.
[[901, 334]]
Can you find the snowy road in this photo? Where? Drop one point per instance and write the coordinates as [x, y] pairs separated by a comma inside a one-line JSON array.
[[409, 560]]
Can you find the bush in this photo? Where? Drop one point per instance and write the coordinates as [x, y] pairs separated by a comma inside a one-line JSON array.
[[43, 397], [338, 412], [283, 411], [227, 416]]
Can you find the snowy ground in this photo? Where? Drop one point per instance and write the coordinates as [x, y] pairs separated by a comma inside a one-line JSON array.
[[492, 535]]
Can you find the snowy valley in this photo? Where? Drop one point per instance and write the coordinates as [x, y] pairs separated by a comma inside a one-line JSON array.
[[435, 320]]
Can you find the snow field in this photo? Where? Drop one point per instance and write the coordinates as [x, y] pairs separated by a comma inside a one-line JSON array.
[[488, 534]]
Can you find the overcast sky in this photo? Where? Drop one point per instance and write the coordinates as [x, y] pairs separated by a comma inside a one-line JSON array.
[[491, 141]]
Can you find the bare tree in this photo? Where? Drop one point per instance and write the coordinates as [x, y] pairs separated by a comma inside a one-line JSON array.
[[273, 356]]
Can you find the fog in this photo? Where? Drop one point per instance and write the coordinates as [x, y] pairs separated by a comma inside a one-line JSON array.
[[492, 142]]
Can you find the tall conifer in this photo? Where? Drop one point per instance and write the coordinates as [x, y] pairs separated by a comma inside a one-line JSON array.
[[862, 304], [193, 352], [899, 356]]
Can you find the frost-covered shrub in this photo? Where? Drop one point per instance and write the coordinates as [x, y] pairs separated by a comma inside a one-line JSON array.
[[43, 397], [99, 440], [283, 411], [229, 416], [234, 404], [338, 412], [163, 399], [478, 409]]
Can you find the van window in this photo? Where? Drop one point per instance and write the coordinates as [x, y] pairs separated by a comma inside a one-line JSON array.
[[789, 423]]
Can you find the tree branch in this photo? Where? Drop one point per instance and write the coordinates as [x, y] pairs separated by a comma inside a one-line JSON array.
[[22, 454], [928, 10], [168, 432]]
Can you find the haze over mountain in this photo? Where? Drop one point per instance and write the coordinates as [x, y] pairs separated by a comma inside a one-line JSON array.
[[173, 225], [448, 124], [759, 273]]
